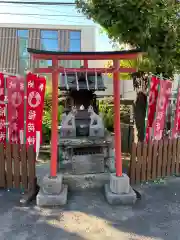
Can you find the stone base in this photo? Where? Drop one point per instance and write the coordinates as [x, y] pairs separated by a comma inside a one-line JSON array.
[[119, 185], [120, 199], [60, 199], [85, 181], [51, 185]]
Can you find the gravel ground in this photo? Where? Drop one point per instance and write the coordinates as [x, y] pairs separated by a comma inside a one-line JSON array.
[[87, 216]]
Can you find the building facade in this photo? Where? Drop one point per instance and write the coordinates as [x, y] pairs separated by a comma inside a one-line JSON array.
[[16, 38]]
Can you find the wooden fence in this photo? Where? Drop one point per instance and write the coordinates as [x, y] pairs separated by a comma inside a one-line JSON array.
[[17, 167], [154, 160]]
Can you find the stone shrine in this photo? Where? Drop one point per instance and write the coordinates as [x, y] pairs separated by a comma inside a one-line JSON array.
[[84, 143]]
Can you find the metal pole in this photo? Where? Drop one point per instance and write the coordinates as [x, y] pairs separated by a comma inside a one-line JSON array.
[[117, 123], [54, 127]]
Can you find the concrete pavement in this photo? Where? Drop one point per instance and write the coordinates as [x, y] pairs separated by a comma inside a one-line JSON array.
[[88, 217]]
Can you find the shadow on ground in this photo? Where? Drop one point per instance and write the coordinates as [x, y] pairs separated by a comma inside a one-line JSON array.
[[87, 216], [28, 223]]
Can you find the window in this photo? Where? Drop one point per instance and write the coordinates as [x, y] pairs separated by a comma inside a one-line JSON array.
[[75, 41], [49, 34], [23, 45], [45, 63], [23, 33], [23, 37], [49, 42], [75, 35], [75, 46], [75, 63], [23, 64]]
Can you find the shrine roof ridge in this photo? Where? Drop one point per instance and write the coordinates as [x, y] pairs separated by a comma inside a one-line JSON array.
[[88, 55]]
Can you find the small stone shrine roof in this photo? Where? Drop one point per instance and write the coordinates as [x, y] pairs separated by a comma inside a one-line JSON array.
[[79, 81]]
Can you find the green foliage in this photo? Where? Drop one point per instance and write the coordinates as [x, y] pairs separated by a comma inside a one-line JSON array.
[[47, 116], [108, 115], [106, 109], [151, 25], [46, 126]]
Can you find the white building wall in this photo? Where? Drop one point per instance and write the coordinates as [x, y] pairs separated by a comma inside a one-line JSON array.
[[128, 90], [126, 87], [88, 39]]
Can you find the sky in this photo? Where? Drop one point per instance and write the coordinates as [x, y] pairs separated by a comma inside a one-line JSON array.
[[15, 13]]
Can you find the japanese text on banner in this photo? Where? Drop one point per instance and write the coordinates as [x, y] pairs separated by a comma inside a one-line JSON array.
[[15, 93], [176, 126], [162, 103], [41, 87], [2, 110], [35, 104], [153, 94]]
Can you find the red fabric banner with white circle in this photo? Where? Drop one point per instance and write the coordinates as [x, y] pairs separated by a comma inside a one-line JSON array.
[[35, 104]]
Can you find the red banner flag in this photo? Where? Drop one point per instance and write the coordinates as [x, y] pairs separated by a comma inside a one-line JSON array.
[[162, 103], [153, 94], [15, 94], [2, 110], [35, 104], [42, 87], [176, 126]]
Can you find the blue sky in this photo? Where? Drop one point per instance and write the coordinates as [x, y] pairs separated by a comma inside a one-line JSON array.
[[73, 18]]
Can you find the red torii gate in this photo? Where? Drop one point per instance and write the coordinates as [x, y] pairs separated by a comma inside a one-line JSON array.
[[85, 56]]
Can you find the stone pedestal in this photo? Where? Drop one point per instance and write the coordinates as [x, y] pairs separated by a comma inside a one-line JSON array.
[[85, 181], [119, 190], [52, 192]]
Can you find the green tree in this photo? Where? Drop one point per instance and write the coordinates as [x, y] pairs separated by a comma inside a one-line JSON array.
[[150, 25]]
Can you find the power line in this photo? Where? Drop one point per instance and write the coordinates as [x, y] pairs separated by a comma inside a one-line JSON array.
[[43, 15], [49, 19], [40, 3], [38, 7]]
